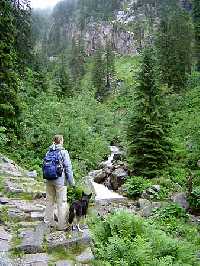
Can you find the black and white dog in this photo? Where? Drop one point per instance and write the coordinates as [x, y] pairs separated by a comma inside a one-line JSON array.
[[78, 209]]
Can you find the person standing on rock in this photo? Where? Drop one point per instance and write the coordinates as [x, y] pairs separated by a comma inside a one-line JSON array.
[[57, 170]]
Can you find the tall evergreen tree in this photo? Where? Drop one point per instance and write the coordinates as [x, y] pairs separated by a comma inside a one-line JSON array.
[[9, 82], [98, 75], [149, 150], [196, 18], [23, 40], [173, 43], [110, 64], [77, 60], [103, 71], [65, 82]]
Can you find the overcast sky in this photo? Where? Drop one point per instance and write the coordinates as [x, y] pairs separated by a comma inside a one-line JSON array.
[[43, 3]]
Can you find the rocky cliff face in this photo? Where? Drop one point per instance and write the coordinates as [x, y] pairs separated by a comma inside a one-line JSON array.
[[130, 29]]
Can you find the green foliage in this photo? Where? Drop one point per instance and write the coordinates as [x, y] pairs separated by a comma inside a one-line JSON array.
[[185, 130], [23, 41], [149, 146], [174, 39], [9, 81], [196, 18], [74, 193], [135, 185], [126, 239], [194, 199], [87, 126], [171, 211]]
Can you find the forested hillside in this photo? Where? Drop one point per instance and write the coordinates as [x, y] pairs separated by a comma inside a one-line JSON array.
[[112, 72]]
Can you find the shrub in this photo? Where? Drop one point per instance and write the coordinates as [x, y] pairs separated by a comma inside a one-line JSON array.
[[126, 239], [172, 210], [135, 185], [74, 193], [194, 199]]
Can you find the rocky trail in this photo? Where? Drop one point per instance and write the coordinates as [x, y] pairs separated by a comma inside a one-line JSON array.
[[26, 240], [24, 237]]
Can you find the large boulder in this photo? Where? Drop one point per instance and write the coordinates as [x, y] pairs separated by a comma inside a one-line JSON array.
[[181, 199], [150, 192], [146, 207], [99, 176], [117, 178]]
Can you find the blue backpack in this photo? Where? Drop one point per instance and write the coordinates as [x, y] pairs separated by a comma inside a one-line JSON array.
[[52, 165]]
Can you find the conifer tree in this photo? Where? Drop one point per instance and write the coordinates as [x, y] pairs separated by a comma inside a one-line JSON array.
[[110, 64], [149, 150], [173, 44], [23, 41], [77, 60], [9, 82], [65, 84], [98, 74], [196, 18]]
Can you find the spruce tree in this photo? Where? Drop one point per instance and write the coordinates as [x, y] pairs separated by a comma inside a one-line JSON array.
[[65, 84], [196, 18], [77, 60], [149, 150], [110, 65], [98, 75], [9, 81], [23, 41], [173, 44]]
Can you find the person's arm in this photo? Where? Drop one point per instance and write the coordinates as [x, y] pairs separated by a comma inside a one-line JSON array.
[[68, 168]]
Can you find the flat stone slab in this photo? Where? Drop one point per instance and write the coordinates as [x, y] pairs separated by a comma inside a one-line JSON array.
[[32, 239], [28, 206], [5, 239], [70, 239]]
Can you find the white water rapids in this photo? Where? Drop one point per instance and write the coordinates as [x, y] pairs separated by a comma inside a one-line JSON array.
[[101, 191]]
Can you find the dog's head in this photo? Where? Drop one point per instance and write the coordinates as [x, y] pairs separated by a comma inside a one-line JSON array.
[[86, 197]]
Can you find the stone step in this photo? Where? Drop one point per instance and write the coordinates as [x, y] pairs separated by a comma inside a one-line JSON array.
[[34, 240], [23, 210], [36, 189], [69, 239]]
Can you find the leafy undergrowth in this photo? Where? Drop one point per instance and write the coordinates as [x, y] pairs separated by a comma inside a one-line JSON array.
[[126, 239]]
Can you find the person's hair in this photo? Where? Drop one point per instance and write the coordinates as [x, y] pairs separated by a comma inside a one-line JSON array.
[[57, 139]]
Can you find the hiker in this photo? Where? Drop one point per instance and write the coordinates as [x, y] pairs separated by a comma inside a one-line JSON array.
[[57, 170]]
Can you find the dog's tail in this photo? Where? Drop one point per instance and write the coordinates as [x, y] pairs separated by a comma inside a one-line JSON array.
[[71, 214]]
